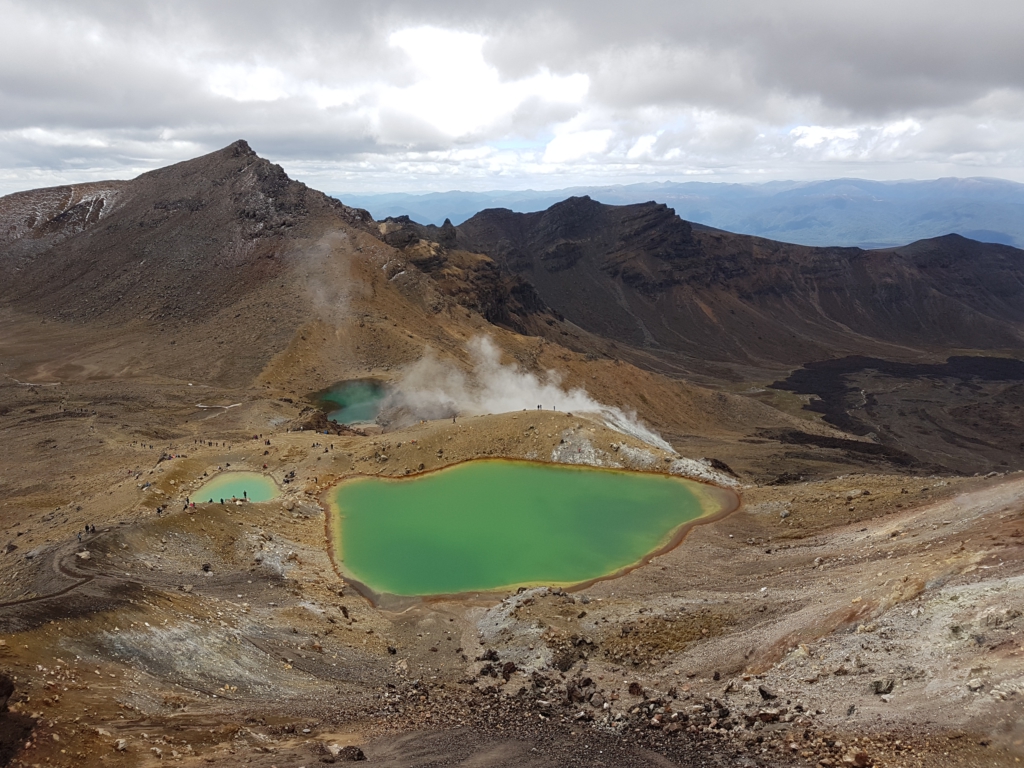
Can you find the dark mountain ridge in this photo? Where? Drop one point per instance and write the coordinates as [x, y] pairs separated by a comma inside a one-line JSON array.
[[845, 212], [643, 277]]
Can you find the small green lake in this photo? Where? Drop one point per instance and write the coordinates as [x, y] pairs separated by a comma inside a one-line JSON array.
[[237, 485], [493, 524], [352, 402]]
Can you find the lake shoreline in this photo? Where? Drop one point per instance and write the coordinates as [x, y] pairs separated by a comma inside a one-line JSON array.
[[716, 501]]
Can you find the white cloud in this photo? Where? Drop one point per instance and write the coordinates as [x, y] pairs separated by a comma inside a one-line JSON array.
[[55, 138], [643, 147], [576, 145], [457, 92], [907, 127], [247, 83], [811, 136], [400, 94]]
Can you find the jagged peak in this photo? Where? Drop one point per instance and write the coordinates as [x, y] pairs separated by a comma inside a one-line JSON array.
[[234, 150], [239, 148]]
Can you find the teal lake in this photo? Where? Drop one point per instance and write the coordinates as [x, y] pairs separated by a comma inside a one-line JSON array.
[[493, 524], [352, 402], [228, 485]]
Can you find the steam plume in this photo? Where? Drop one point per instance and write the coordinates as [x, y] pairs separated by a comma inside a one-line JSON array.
[[432, 389], [325, 272]]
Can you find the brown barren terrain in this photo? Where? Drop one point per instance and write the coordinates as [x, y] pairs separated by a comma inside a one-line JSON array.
[[863, 606]]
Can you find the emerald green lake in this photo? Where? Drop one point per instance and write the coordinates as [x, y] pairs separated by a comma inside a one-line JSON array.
[[352, 402], [238, 485], [489, 524]]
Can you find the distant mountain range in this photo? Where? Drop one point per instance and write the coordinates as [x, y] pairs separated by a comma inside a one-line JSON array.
[[840, 212]]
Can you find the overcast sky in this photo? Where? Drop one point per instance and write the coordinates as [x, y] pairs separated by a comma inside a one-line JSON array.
[[472, 94]]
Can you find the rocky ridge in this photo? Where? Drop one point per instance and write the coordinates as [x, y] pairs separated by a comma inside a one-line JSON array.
[[641, 276]]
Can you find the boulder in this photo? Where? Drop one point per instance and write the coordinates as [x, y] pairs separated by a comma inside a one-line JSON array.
[[766, 693], [881, 687], [6, 691]]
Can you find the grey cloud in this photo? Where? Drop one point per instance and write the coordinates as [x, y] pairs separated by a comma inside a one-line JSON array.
[[125, 85], [534, 117], [869, 57], [662, 76]]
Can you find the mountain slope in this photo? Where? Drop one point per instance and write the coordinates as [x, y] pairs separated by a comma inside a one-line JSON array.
[[474, 280], [169, 244], [643, 277], [57, 210]]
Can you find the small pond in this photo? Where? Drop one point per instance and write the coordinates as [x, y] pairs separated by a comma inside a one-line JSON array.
[[493, 524], [237, 485], [352, 402]]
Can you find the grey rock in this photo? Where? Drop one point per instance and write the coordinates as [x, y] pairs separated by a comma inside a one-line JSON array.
[[881, 687]]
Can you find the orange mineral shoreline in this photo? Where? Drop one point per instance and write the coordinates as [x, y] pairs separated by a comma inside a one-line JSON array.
[[726, 500]]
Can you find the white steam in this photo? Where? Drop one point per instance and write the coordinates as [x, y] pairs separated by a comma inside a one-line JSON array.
[[324, 269], [432, 389]]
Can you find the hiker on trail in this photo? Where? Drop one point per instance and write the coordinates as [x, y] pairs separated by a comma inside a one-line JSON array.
[[79, 535], [245, 495]]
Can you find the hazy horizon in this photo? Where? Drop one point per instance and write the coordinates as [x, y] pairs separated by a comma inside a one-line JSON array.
[[834, 212], [667, 182]]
